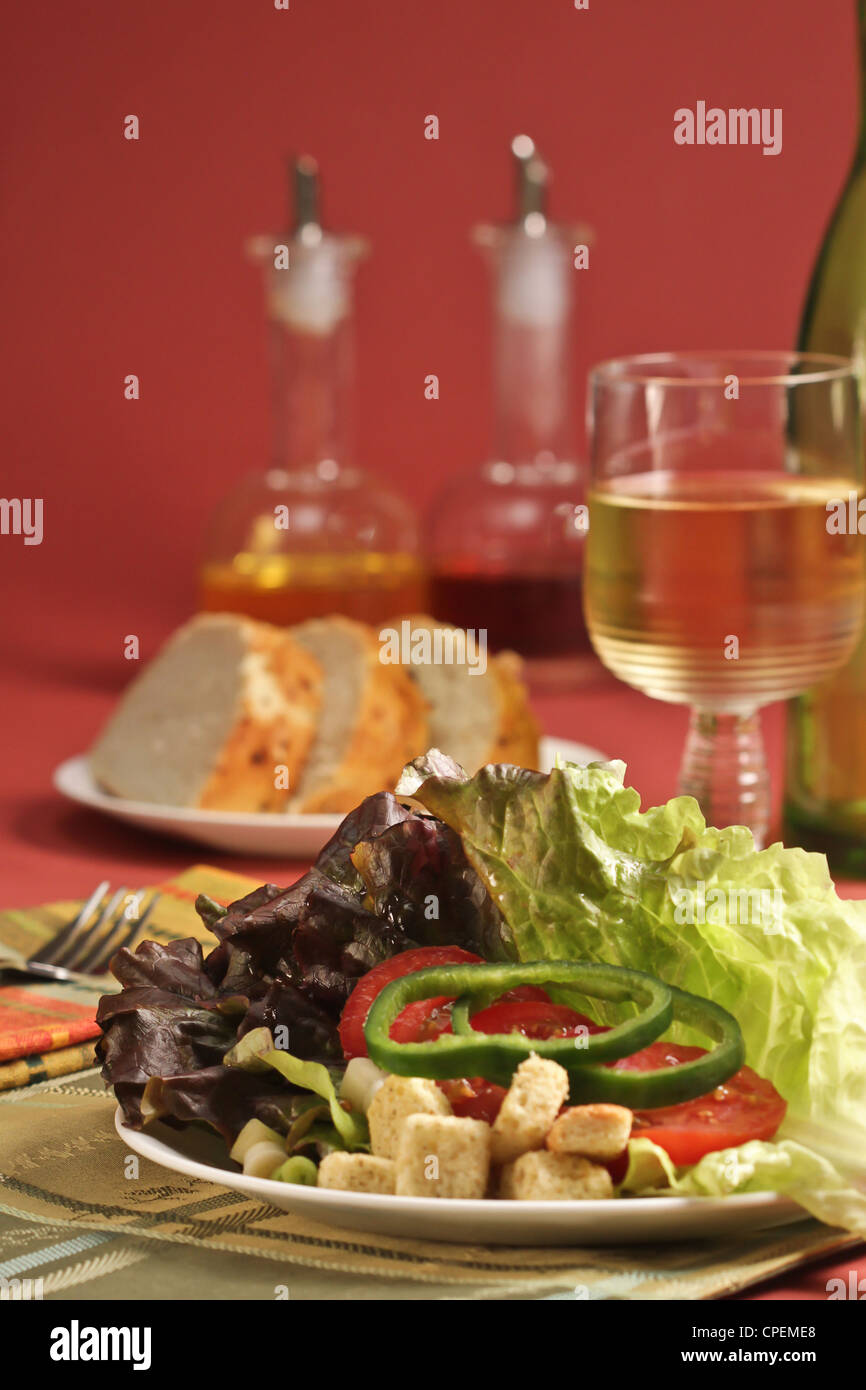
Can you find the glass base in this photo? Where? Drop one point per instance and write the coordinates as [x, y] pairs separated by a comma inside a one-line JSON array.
[[845, 850]]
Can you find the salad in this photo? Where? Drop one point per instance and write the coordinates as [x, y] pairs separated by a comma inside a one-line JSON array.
[[499, 994]]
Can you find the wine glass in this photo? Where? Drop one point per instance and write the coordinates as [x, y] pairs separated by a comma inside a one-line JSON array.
[[718, 572]]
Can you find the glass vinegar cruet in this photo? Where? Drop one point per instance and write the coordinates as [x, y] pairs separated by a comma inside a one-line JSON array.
[[312, 535], [505, 541]]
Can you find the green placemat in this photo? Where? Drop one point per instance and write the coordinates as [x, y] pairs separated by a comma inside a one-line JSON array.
[[77, 1214]]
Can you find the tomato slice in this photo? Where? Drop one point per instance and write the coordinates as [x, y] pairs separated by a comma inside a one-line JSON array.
[[534, 1019], [743, 1108], [527, 992], [474, 1098], [423, 1021], [354, 1016], [429, 1018]]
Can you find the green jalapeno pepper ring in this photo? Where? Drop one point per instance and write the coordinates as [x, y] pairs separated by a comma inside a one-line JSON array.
[[650, 1090], [497, 1056]]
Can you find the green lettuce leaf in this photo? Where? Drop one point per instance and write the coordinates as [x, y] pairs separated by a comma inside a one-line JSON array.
[[760, 1166], [650, 1170], [579, 872], [312, 1076]]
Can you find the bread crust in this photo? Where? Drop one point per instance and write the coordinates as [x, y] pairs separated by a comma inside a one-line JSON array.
[[516, 739], [271, 734], [390, 729], [277, 717], [515, 732]]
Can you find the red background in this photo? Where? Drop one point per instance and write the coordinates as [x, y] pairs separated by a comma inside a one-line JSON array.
[[125, 257]]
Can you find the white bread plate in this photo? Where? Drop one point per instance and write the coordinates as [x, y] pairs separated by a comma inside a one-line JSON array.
[[245, 832]]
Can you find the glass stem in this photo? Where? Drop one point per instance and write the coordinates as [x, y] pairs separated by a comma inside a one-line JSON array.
[[725, 770]]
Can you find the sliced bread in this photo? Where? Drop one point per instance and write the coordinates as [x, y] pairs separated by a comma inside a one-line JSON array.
[[373, 718], [476, 716], [213, 720]]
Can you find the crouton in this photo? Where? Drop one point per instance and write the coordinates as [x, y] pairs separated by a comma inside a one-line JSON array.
[[596, 1131], [538, 1089], [441, 1156], [357, 1173], [396, 1099], [542, 1176]]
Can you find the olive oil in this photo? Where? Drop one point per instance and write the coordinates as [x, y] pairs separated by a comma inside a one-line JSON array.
[[368, 585]]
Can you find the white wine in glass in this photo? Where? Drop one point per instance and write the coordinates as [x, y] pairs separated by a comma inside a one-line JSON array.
[[712, 576]]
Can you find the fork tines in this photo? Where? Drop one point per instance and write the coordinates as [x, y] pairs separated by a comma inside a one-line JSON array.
[[87, 943]]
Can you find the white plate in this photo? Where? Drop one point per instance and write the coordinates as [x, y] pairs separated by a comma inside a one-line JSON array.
[[256, 833], [200, 1153]]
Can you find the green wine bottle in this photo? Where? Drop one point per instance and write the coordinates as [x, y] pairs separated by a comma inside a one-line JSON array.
[[825, 802]]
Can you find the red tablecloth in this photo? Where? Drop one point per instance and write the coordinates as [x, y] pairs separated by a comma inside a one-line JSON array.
[[52, 707]]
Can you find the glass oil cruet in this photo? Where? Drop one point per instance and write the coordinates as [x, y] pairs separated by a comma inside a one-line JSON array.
[[312, 535], [505, 542]]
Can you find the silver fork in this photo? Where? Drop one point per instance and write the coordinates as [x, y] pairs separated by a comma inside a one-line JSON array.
[[85, 946]]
